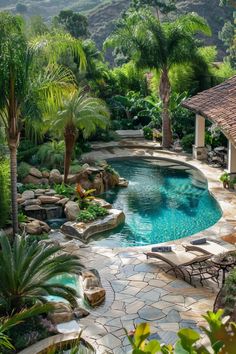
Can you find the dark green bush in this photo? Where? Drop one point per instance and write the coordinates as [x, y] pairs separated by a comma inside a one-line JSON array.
[[26, 150], [31, 186], [93, 212], [23, 170], [229, 291], [187, 142], [147, 132], [51, 155], [64, 189], [4, 192]]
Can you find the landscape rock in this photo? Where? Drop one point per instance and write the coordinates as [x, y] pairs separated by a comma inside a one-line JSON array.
[[83, 231], [79, 312], [72, 210], [102, 203], [36, 212], [55, 177], [123, 182], [31, 202], [28, 194], [35, 227], [48, 199], [95, 296], [39, 191], [35, 172], [62, 313], [50, 192], [31, 179], [63, 201], [45, 174]]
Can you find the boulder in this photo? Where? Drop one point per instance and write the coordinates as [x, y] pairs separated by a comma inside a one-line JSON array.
[[98, 184], [35, 172], [31, 202], [102, 203], [39, 191], [79, 312], [45, 174], [50, 192], [44, 181], [48, 199], [31, 179], [20, 200], [28, 194], [61, 313], [63, 201], [95, 296], [36, 212], [83, 231], [90, 280], [35, 227], [72, 210], [123, 182], [55, 177]]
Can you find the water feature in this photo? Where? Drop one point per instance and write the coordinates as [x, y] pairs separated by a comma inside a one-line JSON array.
[[164, 201], [70, 280]]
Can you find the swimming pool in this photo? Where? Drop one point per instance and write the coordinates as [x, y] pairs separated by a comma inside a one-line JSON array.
[[164, 201]]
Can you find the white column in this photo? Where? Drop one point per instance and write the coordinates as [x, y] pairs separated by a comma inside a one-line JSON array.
[[231, 158], [199, 131], [199, 150]]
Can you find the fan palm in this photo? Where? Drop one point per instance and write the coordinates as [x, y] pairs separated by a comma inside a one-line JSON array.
[[29, 89], [27, 273], [79, 112], [159, 46]]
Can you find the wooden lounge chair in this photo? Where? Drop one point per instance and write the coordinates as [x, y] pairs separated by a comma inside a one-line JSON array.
[[187, 264], [209, 247]]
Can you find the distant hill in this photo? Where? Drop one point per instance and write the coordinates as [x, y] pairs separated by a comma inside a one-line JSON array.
[[103, 13]]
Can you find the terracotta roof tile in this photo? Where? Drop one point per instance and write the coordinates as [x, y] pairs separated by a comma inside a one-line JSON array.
[[217, 104]]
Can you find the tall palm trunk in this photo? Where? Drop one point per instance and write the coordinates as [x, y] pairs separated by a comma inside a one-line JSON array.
[[70, 138], [165, 90], [13, 136]]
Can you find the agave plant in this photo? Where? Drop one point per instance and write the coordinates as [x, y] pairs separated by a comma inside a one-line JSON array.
[[27, 273]]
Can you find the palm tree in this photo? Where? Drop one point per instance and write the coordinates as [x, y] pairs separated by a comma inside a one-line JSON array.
[[29, 89], [159, 46], [79, 112], [28, 271]]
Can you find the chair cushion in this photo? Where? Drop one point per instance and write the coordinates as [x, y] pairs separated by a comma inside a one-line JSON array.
[[199, 241], [161, 249]]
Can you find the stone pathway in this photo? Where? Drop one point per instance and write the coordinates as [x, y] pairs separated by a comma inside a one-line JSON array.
[[139, 291]]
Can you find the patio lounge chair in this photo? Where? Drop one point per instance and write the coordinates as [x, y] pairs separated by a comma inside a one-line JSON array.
[[209, 247], [187, 264]]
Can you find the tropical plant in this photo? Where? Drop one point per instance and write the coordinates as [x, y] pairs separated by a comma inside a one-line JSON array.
[[27, 273], [160, 6], [159, 46], [92, 212], [64, 189], [79, 112], [51, 155], [29, 87], [4, 192], [222, 336]]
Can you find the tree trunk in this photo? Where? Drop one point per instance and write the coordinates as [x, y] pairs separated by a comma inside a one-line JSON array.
[[70, 138], [165, 90], [14, 205]]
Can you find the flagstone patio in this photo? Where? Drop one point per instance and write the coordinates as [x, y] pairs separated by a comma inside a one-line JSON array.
[[137, 290]]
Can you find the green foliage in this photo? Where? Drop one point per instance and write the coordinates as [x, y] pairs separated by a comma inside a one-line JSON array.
[[32, 186], [64, 189], [22, 217], [225, 177], [187, 142], [75, 23], [27, 273], [222, 336], [4, 192], [26, 150], [147, 132], [51, 155], [229, 291], [23, 170], [93, 212]]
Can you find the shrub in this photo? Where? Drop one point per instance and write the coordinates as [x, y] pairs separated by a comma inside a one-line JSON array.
[[147, 132], [187, 142], [32, 186], [229, 290], [4, 192], [64, 189], [26, 151], [23, 170], [93, 212], [51, 155]]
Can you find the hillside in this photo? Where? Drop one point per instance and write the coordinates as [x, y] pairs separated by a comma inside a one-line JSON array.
[[102, 13]]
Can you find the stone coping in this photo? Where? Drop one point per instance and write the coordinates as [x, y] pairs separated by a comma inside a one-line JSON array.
[[42, 346], [225, 198]]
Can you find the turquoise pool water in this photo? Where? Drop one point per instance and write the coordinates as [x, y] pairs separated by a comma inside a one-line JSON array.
[[164, 201], [64, 279]]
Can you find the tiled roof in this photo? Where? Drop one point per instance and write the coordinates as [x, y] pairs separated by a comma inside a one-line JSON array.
[[218, 104]]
